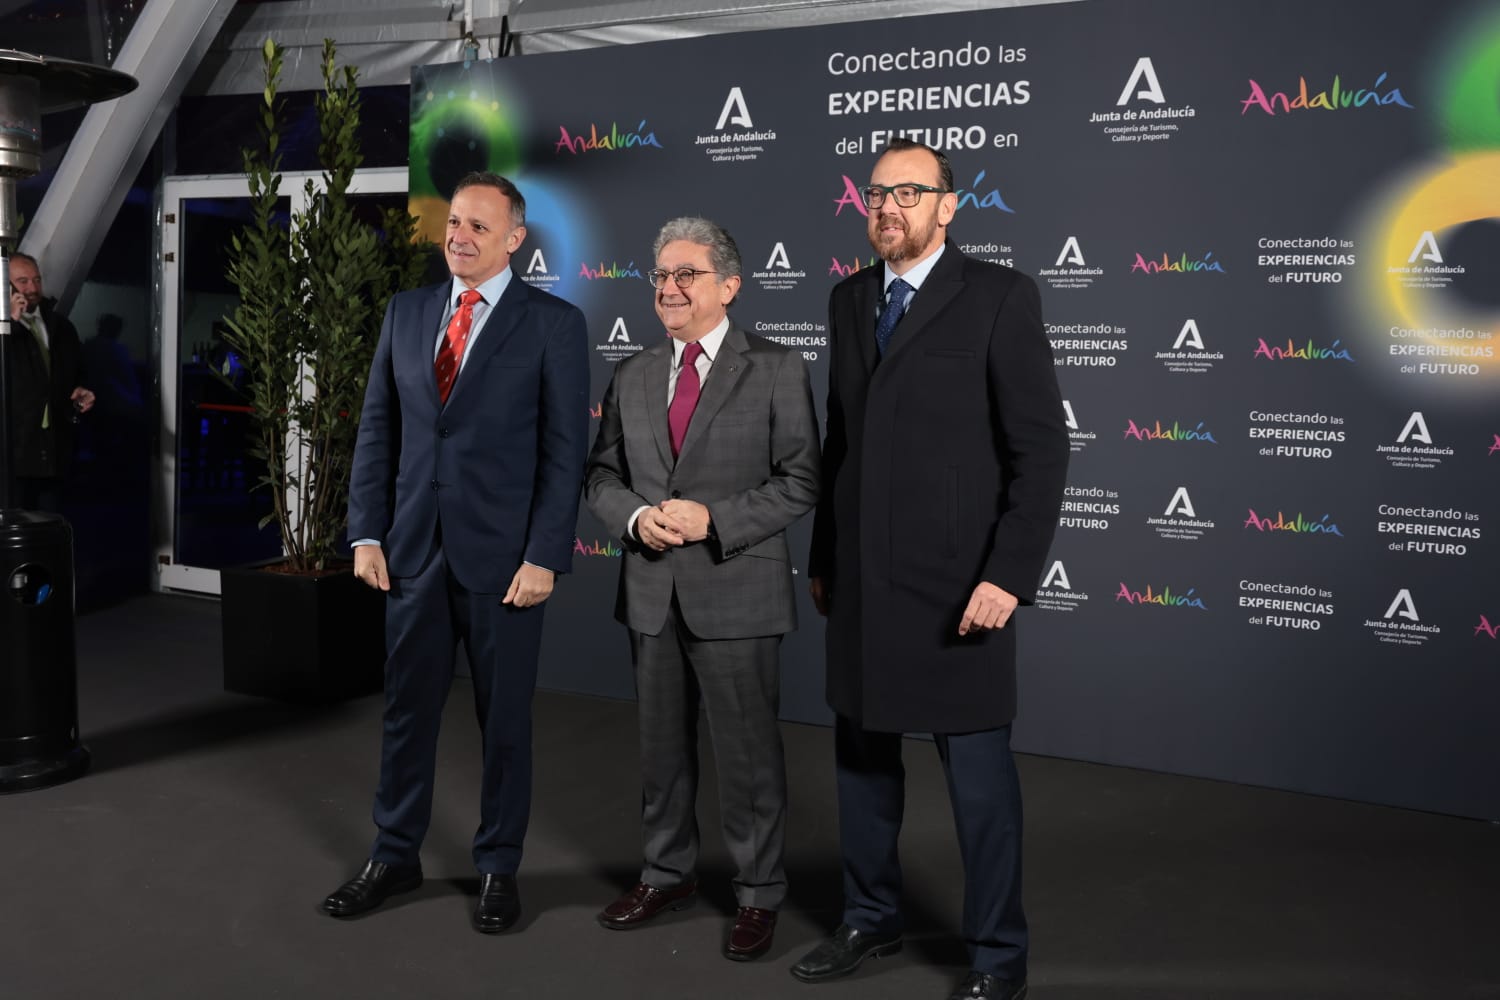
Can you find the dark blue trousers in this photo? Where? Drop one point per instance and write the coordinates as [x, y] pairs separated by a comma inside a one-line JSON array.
[[426, 616], [985, 792]]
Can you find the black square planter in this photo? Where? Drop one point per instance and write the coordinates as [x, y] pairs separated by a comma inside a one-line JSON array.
[[301, 638]]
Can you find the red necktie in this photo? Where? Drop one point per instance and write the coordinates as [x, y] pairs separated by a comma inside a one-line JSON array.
[[451, 353], [680, 413]]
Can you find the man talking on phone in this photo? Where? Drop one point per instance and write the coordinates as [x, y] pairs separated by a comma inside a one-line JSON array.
[[45, 397]]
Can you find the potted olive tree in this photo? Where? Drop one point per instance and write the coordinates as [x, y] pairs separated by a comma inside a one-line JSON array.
[[312, 295]]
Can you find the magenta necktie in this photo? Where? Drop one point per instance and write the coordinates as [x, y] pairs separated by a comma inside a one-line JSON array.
[[680, 413], [451, 354]]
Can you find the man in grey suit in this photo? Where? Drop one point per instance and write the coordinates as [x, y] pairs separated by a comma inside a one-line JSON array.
[[707, 451]]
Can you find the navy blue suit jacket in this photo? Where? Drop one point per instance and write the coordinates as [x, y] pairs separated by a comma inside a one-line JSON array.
[[500, 465]]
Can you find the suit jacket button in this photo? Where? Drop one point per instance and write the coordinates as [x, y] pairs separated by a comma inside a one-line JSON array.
[[676, 494], [435, 485], [442, 432]]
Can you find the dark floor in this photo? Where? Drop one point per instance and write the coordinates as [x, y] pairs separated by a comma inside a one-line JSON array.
[[190, 861]]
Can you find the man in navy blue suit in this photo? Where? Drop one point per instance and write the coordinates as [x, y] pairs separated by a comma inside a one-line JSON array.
[[462, 504]]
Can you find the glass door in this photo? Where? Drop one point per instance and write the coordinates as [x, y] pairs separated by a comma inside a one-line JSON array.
[[209, 501]]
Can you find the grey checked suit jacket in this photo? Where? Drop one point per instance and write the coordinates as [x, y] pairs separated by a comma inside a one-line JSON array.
[[750, 455]]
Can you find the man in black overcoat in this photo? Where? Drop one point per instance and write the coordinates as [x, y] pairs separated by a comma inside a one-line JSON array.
[[45, 364], [944, 467]]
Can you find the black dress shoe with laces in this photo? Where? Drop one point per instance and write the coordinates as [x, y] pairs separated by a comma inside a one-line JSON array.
[[841, 952], [499, 905], [983, 986], [367, 890]]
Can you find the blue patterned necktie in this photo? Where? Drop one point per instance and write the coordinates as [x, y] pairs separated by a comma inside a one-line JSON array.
[[895, 308]]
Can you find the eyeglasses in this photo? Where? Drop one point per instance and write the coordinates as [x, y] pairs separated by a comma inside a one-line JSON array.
[[683, 276], [907, 195]]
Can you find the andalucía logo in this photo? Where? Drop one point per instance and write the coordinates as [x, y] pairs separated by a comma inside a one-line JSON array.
[[842, 270], [618, 345], [537, 272], [614, 270], [1182, 265], [1296, 524], [1309, 351], [1056, 592], [1071, 269], [1493, 631], [1156, 432], [851, 196], [1335, 98], [975, 196], [1425, 453], [1495, 448], [1180, 520], [778, 275], [1410, 631], [1188, 354], [611, 141], [723, 145], [1133, 122], [1165, 598], [1078, 438], [608, 549], [1436, 272]]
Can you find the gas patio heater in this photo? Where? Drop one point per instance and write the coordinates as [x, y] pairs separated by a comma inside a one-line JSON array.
[[39, 744]]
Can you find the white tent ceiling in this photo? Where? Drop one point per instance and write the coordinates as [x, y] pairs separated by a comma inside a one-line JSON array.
[[196, 47], [385, 38]]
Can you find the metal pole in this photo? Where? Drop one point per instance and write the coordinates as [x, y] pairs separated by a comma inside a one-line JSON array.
[[7, 493]]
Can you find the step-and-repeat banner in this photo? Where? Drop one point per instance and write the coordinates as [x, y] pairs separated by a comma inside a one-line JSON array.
[[1267, 234]]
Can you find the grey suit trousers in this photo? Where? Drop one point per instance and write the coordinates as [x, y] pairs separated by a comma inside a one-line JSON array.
[[738, 683]]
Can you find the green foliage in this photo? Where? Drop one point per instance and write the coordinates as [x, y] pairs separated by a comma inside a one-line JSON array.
[[312, 296]]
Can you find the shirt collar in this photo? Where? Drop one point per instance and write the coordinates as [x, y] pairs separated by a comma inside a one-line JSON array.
[[916, 275], [711, 341], [490, 290]]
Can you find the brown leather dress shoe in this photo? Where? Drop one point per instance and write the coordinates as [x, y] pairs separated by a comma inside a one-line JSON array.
[[751, 935], [644, 902]]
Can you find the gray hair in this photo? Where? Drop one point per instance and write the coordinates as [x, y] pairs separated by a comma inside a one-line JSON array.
[[723, 253], [486, 178]]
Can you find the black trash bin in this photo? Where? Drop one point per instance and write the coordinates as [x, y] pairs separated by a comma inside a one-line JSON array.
[[39, 743]]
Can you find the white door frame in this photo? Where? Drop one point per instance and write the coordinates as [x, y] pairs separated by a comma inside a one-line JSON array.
[[171, 575]]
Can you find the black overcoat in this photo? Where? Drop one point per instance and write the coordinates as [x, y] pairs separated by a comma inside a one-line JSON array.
[[944, 465], [37, 384]]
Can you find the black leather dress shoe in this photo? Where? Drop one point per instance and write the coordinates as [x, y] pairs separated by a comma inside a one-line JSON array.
[[367, 890], [983, 986], [499, 905], [841, 952], [645, 902]]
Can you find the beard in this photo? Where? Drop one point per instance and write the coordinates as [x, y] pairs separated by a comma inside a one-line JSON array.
[[908, 245]]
